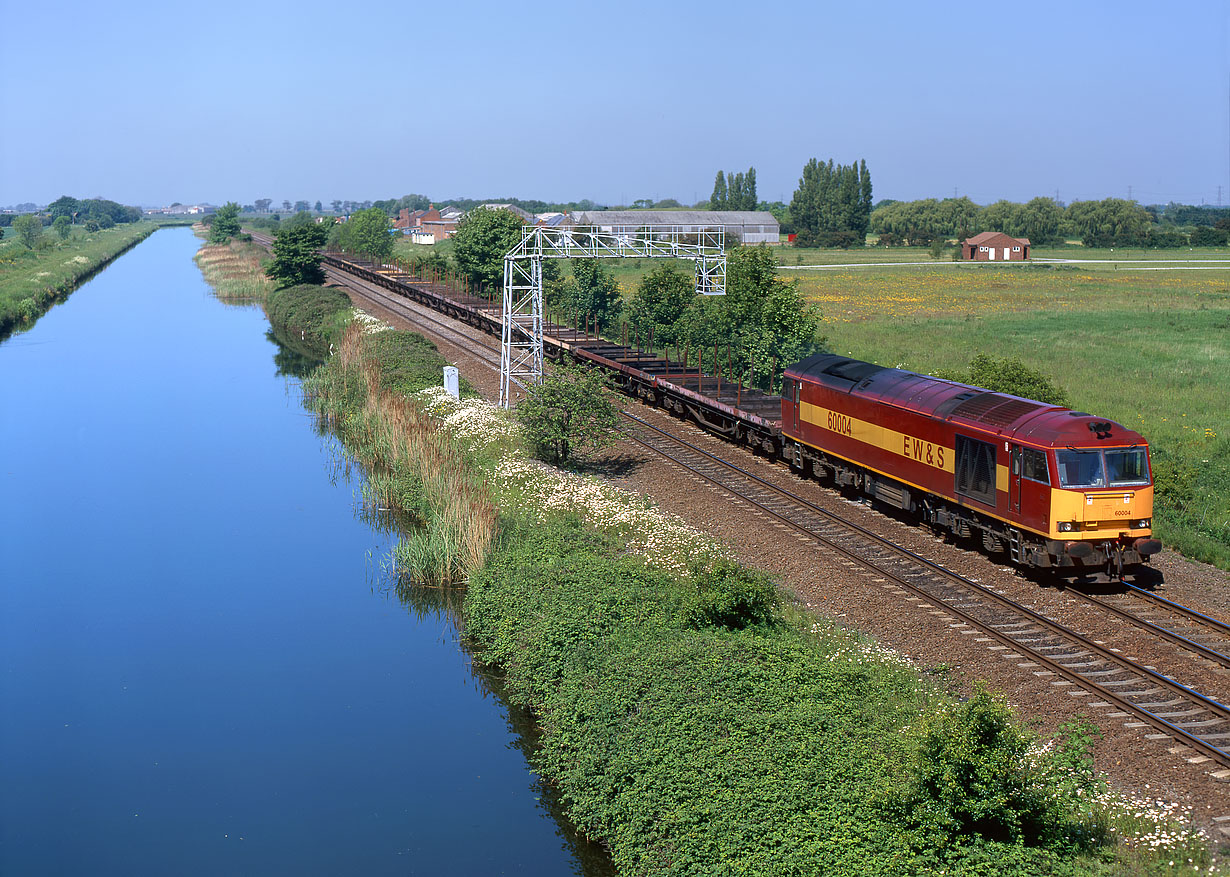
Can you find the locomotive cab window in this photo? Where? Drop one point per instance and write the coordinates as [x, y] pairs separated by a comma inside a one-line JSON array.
[[1034, 466], [974, 472], [788, 390], [1128, 466], [1080, 469]]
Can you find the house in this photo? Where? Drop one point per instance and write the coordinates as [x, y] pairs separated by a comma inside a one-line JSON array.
[[995, 246], [746, 226]]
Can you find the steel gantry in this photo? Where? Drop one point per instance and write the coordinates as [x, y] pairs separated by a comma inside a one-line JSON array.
[[521, 348]]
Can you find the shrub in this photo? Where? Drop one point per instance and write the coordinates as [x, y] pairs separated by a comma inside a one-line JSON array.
[[570, 412], [731, 596], [1008, 375], [308, 318]]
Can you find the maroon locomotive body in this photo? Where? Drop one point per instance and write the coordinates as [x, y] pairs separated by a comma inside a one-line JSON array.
[[1050, 486]]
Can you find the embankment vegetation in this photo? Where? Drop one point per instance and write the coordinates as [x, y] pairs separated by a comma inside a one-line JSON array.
[[39, 267], [690, 719]]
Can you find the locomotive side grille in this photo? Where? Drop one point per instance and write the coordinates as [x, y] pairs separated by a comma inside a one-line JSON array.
[[995, 409], [1010, 412]]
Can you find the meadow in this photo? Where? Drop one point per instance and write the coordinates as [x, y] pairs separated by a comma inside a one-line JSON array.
[[1149, 349]]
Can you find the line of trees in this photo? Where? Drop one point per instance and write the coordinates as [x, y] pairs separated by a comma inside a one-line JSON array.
[[734, 191], [1111, 222], [832, 205]]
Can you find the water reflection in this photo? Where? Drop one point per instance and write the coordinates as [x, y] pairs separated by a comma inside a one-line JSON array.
[[444, 603], [295, 357]]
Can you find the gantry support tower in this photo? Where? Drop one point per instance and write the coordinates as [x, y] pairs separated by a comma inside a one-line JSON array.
[[521, 349]]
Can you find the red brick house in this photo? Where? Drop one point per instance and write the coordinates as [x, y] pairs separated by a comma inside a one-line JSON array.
[[995, 246]]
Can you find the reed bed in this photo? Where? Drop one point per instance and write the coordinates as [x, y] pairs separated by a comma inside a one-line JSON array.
[[412, 465], [236, 271]]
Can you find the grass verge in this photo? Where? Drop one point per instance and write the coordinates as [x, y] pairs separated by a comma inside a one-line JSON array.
[[32, 280]]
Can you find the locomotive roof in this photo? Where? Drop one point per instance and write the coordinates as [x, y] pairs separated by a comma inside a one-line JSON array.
[[1026, 420]]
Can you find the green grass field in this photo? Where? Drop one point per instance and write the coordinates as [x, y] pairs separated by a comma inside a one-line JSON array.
[[1150, 349]]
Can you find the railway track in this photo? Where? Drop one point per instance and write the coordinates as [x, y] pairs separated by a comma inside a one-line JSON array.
[[1039, 643], [1199, 724]]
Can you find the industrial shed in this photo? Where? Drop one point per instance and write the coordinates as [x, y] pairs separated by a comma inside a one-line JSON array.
[[747, 226]]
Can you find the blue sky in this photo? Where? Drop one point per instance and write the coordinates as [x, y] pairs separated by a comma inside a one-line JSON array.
[[149, 103]]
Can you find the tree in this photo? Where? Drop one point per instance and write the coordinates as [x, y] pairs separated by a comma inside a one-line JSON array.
[[296, 254], [1111, 222], [592, 290], [64, 206], [262, 204], [717, 201], [571, 412], [734, 191], [367, 232], [480, 242], [832, 205], [318, 207], [301, 206], [28, 228], [662, 298], [1207, 236], [286, 205], [63, 226], [336, 204], [225, 224], [1012, 376]]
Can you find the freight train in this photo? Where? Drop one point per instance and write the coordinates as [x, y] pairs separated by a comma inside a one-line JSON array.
[[1051, 487], [1046, 486]]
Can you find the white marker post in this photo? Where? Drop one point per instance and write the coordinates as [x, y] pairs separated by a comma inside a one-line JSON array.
[[450, 381]]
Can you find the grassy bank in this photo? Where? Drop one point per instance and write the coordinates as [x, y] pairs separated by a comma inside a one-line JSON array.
[[689, 720], [32, 280]]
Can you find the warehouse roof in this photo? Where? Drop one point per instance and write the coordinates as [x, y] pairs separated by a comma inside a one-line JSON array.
[[633, 218]]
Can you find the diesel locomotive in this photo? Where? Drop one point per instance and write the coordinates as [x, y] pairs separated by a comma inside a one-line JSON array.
[[1051, 487]]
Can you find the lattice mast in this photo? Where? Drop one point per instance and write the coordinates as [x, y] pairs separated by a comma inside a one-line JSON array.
[[521, 343]]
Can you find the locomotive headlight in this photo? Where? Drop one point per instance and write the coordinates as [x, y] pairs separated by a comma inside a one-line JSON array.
[[1066, 526], [1141, 524]]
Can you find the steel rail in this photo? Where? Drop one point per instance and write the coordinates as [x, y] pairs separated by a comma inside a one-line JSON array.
[[1187, 737], [1163, 632]]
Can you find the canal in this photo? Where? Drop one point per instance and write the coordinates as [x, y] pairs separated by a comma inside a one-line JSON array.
[[203, 667]]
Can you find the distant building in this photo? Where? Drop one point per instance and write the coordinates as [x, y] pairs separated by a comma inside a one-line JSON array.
[[526, 217], [995, 246], [440, 224], [747, 226]]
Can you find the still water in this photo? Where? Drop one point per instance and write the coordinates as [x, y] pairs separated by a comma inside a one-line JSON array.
[[202, 670]]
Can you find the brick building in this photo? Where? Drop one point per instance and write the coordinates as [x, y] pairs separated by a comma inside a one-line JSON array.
[[995, 246]]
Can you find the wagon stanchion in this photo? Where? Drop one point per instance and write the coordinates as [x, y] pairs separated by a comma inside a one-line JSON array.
[[717, 370], [772, 374]]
